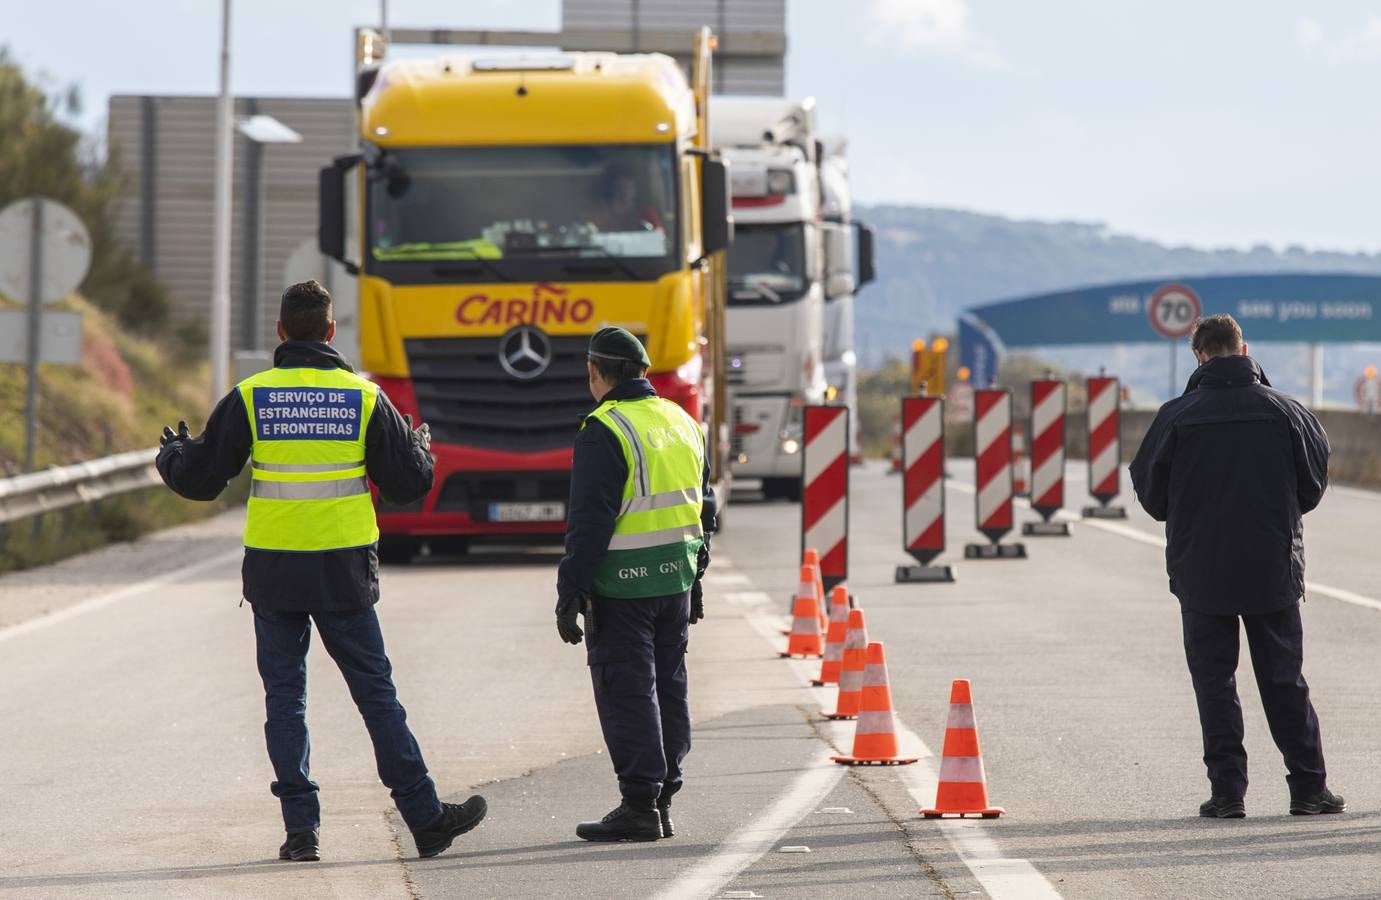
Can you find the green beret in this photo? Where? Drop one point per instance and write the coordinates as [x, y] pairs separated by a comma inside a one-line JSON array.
[[612, 342]]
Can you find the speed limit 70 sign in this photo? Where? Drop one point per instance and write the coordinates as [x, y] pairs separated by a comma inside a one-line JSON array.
[[1173, 309]]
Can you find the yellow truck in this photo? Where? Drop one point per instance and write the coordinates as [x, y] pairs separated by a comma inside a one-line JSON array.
[[500, 211]]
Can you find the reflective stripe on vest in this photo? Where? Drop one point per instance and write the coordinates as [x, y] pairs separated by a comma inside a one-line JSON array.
[[308, 490], [657, 534]]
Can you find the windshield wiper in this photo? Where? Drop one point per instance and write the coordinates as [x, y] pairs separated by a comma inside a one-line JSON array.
[[757, 289], [484, 265], [617, 261]]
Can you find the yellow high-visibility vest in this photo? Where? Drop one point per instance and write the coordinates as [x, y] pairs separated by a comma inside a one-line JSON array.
[[657, 535], [308, 490]]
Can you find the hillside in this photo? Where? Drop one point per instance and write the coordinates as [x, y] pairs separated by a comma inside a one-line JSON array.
[[934, 263], [118, 399]]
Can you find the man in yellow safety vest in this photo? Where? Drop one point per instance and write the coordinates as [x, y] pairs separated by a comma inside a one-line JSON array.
[[637, 545], [315, 434]]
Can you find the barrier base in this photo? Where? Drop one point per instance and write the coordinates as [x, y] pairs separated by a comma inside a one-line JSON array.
[[785, 655], [1105, 512], [991, 812], [1045, 529], [891, 761], [837, 717], [995, 551], [924, 574]]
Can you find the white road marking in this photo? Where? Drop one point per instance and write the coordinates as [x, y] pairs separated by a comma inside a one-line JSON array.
[[750, 842], [103, 600], [1136, 534]]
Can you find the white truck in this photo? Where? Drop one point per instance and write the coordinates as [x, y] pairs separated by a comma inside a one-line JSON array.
[[775, 331], [843, 278]]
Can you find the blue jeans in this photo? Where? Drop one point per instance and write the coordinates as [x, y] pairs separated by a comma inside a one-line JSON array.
[[357, 645]]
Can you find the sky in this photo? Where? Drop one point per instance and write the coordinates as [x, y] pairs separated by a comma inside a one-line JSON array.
[[1220, 123]]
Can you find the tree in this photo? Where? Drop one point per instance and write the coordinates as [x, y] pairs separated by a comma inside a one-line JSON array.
[[41, 156]]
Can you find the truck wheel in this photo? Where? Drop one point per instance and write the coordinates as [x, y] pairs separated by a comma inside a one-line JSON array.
[[397, 551]]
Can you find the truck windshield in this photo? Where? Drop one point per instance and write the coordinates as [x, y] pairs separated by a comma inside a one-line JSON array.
[[767, 264], [523, 213]]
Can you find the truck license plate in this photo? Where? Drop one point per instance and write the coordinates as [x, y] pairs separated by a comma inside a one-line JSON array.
[[527, 512]]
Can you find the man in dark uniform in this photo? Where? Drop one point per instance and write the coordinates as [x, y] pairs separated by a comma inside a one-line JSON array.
[[313, 430], [637, 545], [1231, 467]]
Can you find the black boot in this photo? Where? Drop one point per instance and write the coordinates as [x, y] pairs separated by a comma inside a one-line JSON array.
[[664, 811], [626, 823], [455, 820], [1217, 807], [1325, 801], [301, 846]]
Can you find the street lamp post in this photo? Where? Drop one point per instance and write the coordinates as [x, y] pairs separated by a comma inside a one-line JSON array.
[[220, 241]]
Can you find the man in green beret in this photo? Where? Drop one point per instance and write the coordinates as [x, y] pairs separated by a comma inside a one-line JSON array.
[[637, 544]]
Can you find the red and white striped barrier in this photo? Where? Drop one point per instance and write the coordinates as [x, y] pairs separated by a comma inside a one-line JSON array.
[[1047, 456], [1104, 446], [992, 430], [923, 488], [825, 499]]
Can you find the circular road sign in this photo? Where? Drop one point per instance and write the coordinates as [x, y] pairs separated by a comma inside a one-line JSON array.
[[66, 250], [1173, 309]]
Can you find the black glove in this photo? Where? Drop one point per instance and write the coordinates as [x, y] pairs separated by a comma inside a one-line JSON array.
[[697, 602], [168, 437], [423, 433], [566, 610]]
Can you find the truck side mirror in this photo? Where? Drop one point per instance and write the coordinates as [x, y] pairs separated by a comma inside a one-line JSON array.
[[867, 262], [333, 223], [716, 217]]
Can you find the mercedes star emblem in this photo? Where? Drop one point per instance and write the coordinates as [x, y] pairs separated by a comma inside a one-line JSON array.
[[525, 352]]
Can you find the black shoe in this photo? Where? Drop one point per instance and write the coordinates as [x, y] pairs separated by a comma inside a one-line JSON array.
[[301, 846], [1325, 801], [626, 823], [455, 820], [1216, 807], [664, 813]]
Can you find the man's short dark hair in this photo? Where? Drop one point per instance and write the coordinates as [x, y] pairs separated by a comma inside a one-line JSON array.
[[616, 371], [1218, 335], [305, 311]]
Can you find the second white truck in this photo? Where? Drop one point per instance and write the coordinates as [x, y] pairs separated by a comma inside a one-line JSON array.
[[776, 307]]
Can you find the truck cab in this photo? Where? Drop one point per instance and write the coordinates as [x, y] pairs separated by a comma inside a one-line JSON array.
[[504, 209]]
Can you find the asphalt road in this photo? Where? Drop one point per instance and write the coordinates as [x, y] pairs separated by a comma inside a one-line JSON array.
[[133, 763]]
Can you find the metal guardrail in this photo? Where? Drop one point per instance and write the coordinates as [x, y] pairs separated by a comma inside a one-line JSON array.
[[25, 496]]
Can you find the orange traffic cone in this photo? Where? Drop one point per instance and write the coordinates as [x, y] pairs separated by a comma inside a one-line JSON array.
[[851, 673], [875, 736], [833, 661], [804, 637], [963, 787], [812, 558]]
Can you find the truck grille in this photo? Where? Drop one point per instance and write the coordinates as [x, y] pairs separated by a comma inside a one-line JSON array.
[[472, 492], [467, 397]]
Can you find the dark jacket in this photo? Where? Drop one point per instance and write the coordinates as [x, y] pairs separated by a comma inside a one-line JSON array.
[[1231, 467], [598, 472], [336, 580]]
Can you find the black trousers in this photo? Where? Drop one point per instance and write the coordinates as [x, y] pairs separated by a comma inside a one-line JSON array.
[[638, 667], [1276, 641]]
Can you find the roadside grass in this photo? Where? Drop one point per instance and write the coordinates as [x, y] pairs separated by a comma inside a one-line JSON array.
[[118, 398]]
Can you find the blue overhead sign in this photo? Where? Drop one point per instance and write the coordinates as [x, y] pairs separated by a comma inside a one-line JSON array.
[[1294, 308], [977, 352]]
